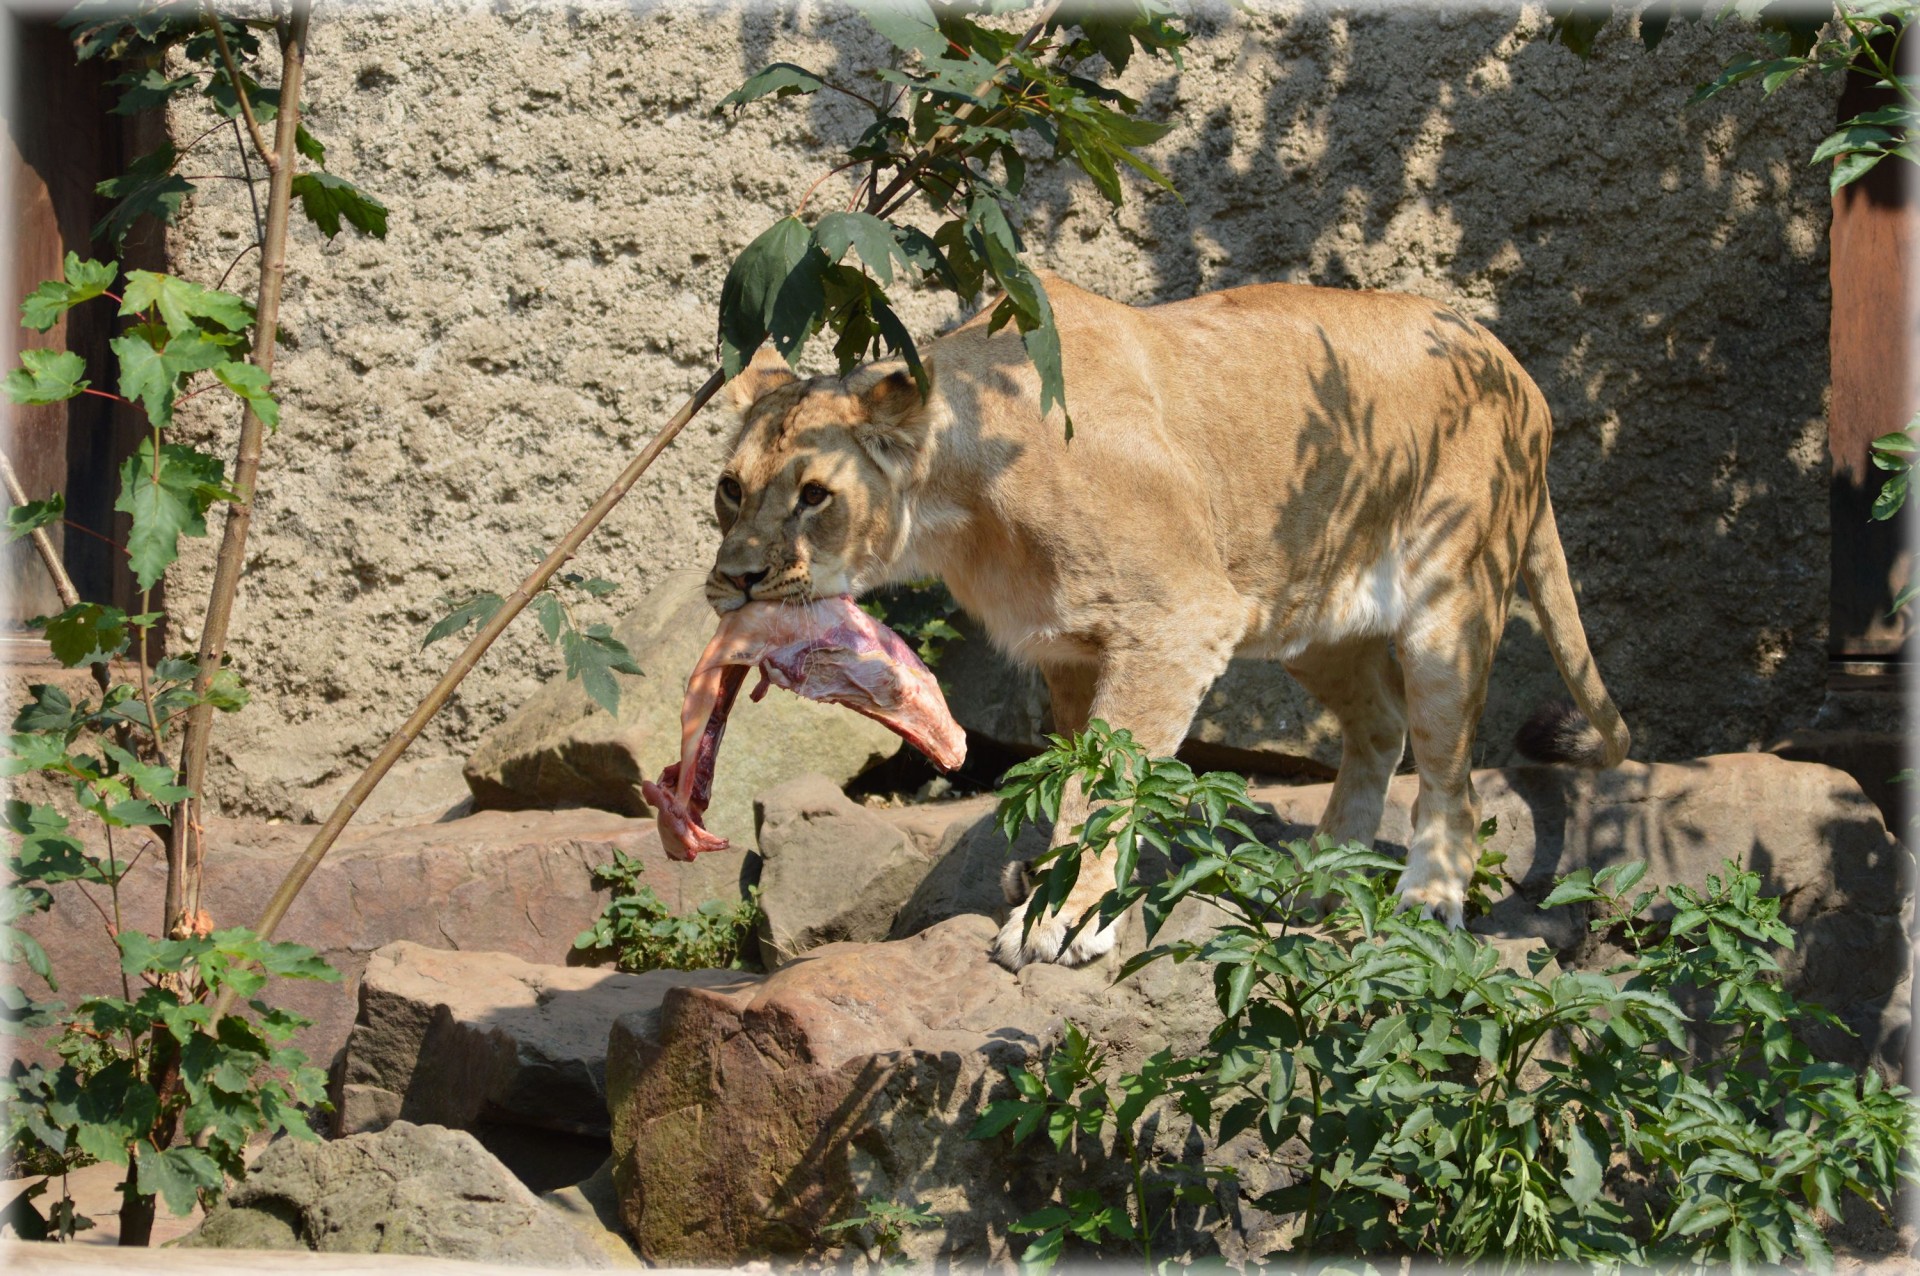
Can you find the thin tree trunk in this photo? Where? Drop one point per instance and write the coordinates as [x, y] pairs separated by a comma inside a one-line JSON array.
[[185, 848]]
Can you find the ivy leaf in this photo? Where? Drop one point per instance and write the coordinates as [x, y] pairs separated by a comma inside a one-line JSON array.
[[167, 500], [149, 187], [25, 519], [86, 633], [753, 287], [46, 376], [328, 200], [477, 610], [80, 281], [176, 1175], [782, 79], [594, 655], [250, 383], [182, 303]]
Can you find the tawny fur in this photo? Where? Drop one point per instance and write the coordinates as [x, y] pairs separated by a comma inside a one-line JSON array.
[[1322, 477]]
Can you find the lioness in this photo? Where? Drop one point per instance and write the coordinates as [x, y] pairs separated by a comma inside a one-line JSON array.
[[1316, 476]]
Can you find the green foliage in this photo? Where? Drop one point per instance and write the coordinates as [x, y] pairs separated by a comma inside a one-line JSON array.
[[1829, 38], [147, 34], [139, 1071], [920, 611], [46, 376], [642, 933], [328, 200], [881, 1226], [948, 121], [1449, 1106], [592, 654]]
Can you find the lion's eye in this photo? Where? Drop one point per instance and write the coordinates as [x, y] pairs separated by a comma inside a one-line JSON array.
[[730, 489], [813, 494]]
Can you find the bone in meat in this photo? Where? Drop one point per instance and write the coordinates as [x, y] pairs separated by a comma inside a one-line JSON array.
[[829, 651]]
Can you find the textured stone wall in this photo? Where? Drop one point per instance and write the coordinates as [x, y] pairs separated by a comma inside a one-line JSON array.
[[565, 202]]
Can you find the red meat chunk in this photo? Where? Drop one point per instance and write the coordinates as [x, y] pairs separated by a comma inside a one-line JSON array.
[[829, 651]]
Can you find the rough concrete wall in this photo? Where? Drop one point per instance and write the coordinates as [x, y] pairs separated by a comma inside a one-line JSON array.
[[564, 204]]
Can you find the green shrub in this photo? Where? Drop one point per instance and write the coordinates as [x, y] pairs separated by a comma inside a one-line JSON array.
[[642, 933], [1449, 1106]]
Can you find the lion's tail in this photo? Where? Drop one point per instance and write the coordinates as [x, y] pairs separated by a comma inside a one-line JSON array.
[[1591, 734]]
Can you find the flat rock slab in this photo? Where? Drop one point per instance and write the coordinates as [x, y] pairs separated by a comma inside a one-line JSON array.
[[455, 1038], [561, 748], [513, 882], [410, 1189]]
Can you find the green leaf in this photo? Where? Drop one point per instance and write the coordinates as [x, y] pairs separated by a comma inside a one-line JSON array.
[[22, 520], [782, 79], [328, 200], [147, 90], [753, 287], [477, 610], [552, 615], [152, 363], [1852, 167], [86, 633], [80, 281], [593, 656], [46, 376], [1577, 23], [182, 303], [867, 235], [149, 187], [309, 145], [167, 501], [1582, 1180], [250, 383], [176, 1175]]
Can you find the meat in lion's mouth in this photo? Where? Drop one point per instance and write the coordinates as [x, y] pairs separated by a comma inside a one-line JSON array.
[[829, 651]]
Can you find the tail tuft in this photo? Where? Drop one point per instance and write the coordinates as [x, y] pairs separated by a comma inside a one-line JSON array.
[[1559, 732]]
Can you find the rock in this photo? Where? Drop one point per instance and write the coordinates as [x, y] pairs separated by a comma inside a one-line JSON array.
[[420, 792], [562, 749], [509, 882], [456, 1038], [593, 1206], [1872, 758], [832, 870], [1808, 831], [410, 1189], [757, 1116]]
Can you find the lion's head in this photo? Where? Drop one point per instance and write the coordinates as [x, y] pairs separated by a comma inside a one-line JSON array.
[[813, 501]]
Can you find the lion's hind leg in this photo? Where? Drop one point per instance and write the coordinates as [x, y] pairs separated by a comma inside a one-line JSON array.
[[1446, 655], [1359, 683]]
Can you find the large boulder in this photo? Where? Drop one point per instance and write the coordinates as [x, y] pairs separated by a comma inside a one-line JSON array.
[[562, 749], [752, 1119], [458, 1038], [513, 882], [410, 1189]]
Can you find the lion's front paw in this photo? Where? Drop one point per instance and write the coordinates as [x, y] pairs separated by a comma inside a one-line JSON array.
[[1047, 941], [1434, 894]]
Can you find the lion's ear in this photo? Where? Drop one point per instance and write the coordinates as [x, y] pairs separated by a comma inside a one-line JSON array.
[[894, 432], [767, 373]]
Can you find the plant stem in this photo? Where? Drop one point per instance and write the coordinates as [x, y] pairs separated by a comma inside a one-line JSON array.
[[274, 162], [510, 607], [182, 895]]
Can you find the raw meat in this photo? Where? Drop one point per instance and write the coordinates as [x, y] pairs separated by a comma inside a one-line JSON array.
[[828, 650]]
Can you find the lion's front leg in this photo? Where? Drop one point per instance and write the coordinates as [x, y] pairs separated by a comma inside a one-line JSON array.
[[1153, 693]]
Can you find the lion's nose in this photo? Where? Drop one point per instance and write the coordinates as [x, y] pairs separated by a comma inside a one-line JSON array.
[[745, 581]]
